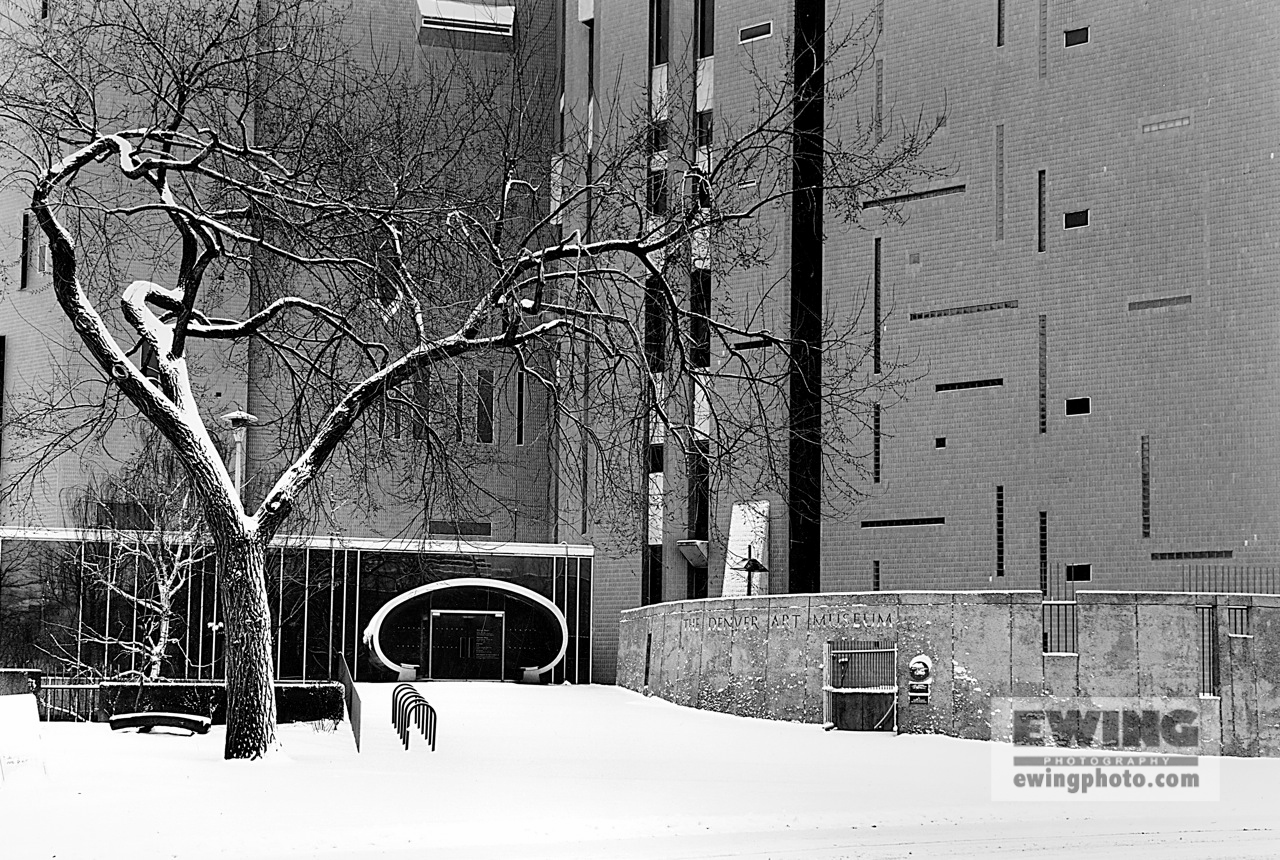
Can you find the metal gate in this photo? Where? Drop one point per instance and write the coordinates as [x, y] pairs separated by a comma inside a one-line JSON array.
[[860, 685], [1208, 650]]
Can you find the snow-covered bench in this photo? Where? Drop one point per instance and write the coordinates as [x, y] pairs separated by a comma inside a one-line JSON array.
[[145, 722]]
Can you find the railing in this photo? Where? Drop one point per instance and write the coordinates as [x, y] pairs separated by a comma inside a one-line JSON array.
[[63, 698], [407, 702], [352, 697], [1230, 579], [1058, 613], [1208, 650]]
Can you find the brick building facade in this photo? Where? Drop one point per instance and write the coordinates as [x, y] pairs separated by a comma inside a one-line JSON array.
[[1076, 297]]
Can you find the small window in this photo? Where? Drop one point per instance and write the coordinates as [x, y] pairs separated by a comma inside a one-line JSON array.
[[755, 31], [657, 457], [657, 192], [1079, 573], [940, 442], [913, 259], [702, 125], [1078, 406], [658, 135], [1078, 36], [1076, 219]]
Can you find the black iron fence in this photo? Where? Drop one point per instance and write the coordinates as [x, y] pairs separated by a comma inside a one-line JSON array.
[[63, 698], [1230, 579]]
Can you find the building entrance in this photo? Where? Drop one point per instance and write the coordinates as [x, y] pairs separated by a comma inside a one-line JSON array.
[[463, 644]]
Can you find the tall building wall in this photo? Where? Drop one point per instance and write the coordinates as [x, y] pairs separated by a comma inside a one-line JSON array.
[[1159, 310]]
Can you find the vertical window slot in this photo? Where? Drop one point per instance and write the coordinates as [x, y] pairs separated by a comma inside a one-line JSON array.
[[1040, 211], [484, 406], [1146, 486], [875, 443], [999, 531], [875, 309]]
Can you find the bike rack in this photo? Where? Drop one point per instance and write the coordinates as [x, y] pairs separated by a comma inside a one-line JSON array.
[[407, 702]]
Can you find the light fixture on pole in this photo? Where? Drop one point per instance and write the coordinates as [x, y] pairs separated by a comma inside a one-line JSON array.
[[751, 567], [239, 422]]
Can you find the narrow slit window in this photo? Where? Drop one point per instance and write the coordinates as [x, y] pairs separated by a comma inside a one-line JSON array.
[[522, 396], [705, 15], [1071, 220], [999, 531], [484, 406], [699, 324], [699, 467], [655, 326], [459, 407], [762, 30], [875, 443], [1078, 406], [1000, 23], [1044, 552], [875, 310], [1041, 212], [1043, 380], [25, 259], [875, 576], [1146, 486], [1078, 36], [659, 15]]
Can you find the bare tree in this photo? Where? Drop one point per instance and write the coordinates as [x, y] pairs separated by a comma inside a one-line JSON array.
[[388, 222], [145, 542]]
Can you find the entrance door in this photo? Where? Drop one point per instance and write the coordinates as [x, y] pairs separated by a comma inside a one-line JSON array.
[[861, 685], [465, 645]]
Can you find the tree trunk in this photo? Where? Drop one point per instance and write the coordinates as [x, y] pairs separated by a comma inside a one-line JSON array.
[[251, 701], [161, 647]]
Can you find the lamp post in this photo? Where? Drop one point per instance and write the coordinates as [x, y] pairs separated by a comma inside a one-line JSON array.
[[240, 423], [750, 567]]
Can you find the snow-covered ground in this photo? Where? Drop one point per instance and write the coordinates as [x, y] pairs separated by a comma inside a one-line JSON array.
[[586, 772]]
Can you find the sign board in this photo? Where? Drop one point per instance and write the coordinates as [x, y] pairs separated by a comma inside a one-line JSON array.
[[21, 753]]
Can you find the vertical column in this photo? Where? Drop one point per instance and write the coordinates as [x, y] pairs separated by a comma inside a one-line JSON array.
[[805, 377]]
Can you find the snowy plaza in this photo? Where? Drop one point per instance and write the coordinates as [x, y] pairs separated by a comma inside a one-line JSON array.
[[586, 772]]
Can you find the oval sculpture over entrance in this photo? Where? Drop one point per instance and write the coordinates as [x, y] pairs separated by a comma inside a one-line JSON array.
[[453, 622]]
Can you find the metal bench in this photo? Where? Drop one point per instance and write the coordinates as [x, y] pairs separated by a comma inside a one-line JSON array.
[[145, 722]]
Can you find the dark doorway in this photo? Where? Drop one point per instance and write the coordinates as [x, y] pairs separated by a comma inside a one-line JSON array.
[[463, 644], [863, 712]]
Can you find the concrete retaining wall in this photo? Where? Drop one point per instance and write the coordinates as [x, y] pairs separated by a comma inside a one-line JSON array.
[[762, 656]]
